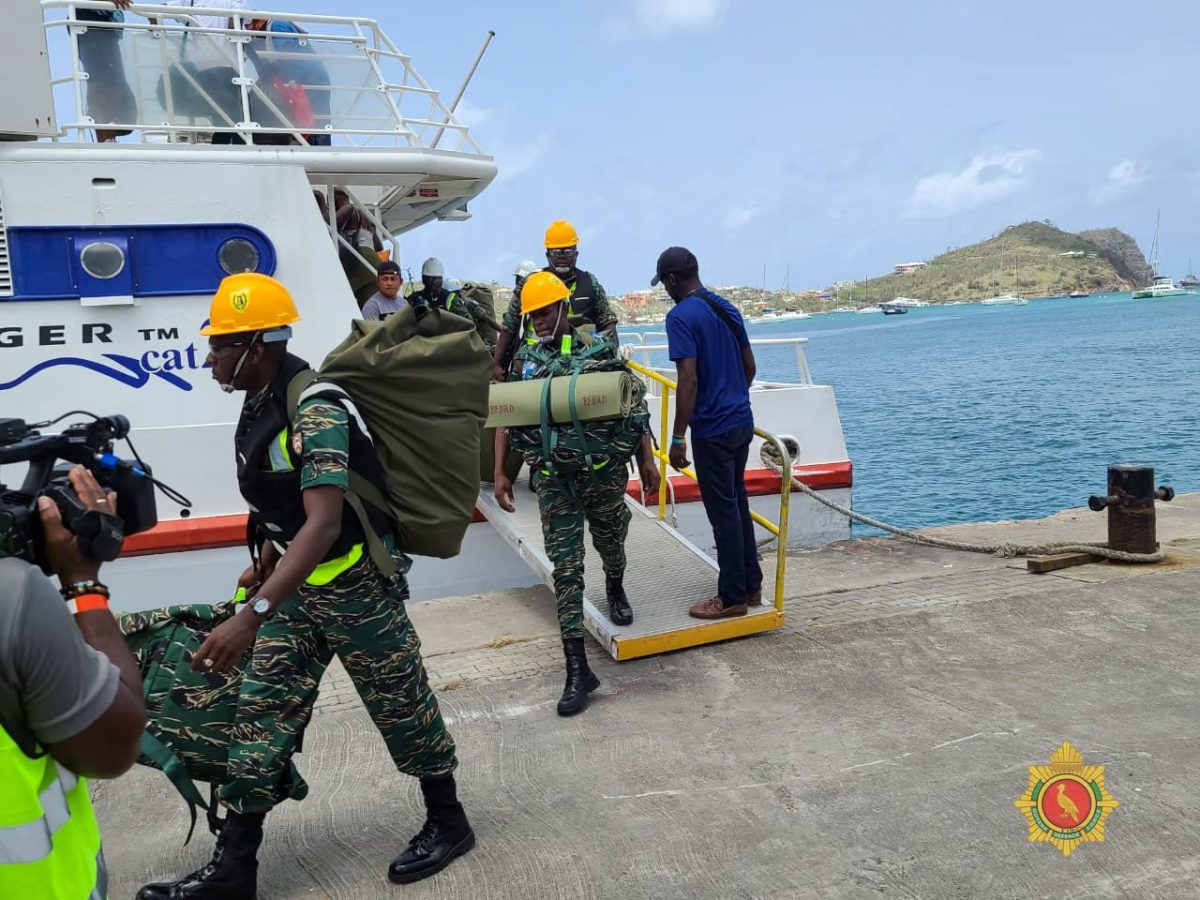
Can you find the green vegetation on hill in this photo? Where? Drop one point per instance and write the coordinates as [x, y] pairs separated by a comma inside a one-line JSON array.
[[1034, 259]]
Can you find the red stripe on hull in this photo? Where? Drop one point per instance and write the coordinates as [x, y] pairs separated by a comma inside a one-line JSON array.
[[760, 482], [230, 531]]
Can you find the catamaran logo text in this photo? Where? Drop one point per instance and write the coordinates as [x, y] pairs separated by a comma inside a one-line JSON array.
[[131, 371]]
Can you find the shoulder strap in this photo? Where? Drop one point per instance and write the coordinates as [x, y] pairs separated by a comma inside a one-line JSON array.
[[720, 311], [165, 759], [360, 488], [300, 382]]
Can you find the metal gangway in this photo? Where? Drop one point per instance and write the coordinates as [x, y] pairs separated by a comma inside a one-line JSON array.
[[665, 573]]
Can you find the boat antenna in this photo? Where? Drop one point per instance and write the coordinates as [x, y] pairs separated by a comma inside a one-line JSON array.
[[462, 89]]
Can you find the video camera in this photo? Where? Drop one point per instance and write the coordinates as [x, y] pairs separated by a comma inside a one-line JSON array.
[[90, 444]]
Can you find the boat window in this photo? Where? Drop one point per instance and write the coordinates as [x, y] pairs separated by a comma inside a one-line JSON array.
[[102, 260], [238, 255]]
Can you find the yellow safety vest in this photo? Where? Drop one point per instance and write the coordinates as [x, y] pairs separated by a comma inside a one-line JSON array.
[[279, 457], [49, 839]]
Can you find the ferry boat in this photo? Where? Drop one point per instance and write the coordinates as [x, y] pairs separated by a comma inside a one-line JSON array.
[[110, 252]]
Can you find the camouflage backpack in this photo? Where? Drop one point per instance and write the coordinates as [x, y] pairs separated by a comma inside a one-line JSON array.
[[189, 714], [573, 447]]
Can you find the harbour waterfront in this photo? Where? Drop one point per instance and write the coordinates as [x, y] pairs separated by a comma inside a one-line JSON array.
[[877, 744], [973, 413]]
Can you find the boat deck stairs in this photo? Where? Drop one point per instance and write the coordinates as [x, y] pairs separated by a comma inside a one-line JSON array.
[[665, 574]]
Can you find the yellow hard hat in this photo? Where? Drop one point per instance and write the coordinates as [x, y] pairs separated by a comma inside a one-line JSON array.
[[250, 301], [541, 289], [561, 234]]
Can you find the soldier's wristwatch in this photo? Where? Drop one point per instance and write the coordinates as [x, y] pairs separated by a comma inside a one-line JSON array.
[[262, 607]]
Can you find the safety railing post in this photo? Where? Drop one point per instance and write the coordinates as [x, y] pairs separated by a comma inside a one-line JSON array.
[[662, 462], [781, 540]]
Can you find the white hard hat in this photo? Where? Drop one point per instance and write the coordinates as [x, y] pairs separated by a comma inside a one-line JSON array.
[[526, 268], [454, 284], [433, 268]]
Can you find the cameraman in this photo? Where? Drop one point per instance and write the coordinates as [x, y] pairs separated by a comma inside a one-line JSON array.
[[70, 706]]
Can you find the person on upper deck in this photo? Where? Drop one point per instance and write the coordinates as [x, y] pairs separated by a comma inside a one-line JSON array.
[[710, 348], [291, 79], [588, 304], [210, 61], [387, 299], [109, 98]]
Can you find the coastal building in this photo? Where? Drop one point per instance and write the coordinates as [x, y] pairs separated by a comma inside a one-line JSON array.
[[908, 268]]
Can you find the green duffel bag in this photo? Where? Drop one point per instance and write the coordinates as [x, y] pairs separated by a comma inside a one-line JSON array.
[[483, 295], [419, 380], [190, 715]]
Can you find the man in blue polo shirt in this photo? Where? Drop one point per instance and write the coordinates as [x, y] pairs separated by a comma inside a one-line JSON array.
[[715, 366]]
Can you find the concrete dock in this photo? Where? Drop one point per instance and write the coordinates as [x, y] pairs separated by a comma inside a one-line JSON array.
[[873, 747]]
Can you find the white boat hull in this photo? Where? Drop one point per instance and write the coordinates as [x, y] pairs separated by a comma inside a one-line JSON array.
[[144, 358]]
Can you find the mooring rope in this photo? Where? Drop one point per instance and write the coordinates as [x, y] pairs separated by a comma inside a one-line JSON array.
[[1004, 551]]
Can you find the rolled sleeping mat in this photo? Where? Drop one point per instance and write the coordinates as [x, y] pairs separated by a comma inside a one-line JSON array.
[[598, 395]]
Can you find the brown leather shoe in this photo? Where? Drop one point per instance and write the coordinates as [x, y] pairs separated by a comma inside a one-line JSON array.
[[713, 608], [754, 598]]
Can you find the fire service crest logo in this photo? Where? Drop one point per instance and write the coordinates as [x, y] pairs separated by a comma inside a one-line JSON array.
[[1066, 803]]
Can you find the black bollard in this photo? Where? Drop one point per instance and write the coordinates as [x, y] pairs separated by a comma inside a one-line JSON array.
[[1130, 504]]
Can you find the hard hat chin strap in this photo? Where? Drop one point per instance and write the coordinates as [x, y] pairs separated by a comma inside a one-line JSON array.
[[550, 338], [237, 370]]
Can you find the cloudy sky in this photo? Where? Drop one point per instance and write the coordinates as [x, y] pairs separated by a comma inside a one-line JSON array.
[[837, 138]]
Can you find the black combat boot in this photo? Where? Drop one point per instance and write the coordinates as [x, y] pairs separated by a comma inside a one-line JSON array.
[[231, 874], [580, 679], [619, 610], [445, 835]]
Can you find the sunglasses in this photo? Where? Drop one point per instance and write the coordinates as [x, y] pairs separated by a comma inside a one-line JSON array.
[[220, 351]]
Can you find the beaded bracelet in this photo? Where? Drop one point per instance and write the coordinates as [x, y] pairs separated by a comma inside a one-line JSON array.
[[79, 588]]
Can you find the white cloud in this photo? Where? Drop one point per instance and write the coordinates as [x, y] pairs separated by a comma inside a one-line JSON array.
[[642, 17], [473, 116], [737, 216], [517, 159], [987, 178], [1122, 178]]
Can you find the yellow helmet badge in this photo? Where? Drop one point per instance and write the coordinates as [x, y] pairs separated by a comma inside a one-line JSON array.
[[240, 299]]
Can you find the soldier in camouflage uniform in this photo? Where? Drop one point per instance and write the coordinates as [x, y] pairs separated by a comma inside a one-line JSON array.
[[587, 302], [324, 595], [576, 481]]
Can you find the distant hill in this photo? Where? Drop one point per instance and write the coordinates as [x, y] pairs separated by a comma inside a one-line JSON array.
[[1034, 259]]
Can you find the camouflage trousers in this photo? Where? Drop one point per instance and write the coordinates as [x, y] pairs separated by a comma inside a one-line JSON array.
[[360, 616], [564, 500]]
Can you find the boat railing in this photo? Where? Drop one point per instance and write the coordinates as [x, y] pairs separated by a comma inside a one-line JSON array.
[[333, 80], [638, 346]]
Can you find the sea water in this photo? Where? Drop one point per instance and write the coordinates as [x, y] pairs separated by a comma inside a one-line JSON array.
[[979, 413]]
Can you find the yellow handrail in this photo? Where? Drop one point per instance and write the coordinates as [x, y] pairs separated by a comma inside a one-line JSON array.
[[780, 529]]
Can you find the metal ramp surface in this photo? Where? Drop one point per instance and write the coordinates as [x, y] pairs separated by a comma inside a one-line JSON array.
[[665, 574]]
